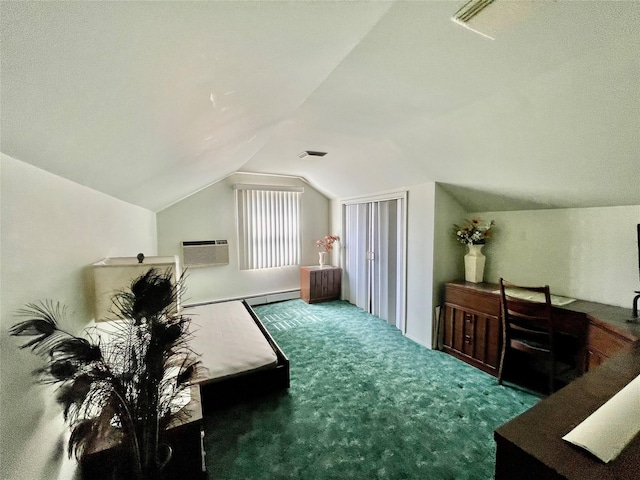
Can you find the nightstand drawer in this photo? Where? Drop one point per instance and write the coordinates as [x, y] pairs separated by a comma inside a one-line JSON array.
[[319, 284]]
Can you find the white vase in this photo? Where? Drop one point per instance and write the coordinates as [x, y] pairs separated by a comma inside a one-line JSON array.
[[322, 258], [474, 264]]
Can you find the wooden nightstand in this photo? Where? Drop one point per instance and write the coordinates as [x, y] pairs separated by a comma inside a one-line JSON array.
[[185, 435], [319, 284]]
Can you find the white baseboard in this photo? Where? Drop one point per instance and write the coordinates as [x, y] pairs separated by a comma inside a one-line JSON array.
[[414, 339], [273, 297], [252, 300]]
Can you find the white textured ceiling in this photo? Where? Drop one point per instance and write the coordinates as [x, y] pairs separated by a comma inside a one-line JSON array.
[[151, 101]]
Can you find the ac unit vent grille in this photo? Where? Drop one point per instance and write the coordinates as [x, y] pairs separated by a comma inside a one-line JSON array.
[[205, 253]]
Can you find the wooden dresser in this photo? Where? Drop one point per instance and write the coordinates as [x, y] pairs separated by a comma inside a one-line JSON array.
[[472, 326], [319, 284], [472, 331]]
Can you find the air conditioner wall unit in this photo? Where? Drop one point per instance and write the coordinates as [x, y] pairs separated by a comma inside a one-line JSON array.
[[205, 253]]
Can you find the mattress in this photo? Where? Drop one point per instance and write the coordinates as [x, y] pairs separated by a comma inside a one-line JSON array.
[[228, 341]]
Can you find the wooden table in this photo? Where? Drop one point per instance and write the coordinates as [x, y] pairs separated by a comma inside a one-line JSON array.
[[530, 447]]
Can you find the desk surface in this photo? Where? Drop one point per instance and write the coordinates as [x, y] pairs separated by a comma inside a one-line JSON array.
[[611, 317], [531, 446]]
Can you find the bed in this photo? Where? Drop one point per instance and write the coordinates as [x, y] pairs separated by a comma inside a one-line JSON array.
[[239, 358]]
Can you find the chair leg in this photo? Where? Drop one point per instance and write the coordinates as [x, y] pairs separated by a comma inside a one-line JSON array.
[[501, 365]]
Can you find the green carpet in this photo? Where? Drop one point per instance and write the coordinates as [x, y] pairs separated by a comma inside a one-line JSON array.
[[365, 403]]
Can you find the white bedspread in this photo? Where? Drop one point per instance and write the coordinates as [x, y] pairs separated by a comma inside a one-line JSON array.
[[228, 340]]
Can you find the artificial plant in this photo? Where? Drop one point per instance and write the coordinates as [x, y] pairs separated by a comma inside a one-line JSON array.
[[124, 384]]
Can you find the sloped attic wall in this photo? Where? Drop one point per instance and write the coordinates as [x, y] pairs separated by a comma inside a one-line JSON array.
[[52, 231], [585, 253]]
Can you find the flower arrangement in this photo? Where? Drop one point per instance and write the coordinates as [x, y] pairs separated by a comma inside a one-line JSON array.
[[475, 232], [327, 242]]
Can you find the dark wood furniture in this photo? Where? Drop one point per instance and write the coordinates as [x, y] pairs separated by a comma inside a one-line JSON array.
[[530, 447], [471, 328], [319, 284], [609, 332], [527, 327], [185, 436]]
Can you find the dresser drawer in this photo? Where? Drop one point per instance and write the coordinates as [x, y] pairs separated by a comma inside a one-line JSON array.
[[319, 284], [473, 300], [605, 341], [472, 337]]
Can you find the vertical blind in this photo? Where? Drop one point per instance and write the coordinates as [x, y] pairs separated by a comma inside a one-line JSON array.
[[268, 226]]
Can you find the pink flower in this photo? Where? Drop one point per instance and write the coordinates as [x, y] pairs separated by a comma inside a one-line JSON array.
[[327, 242]]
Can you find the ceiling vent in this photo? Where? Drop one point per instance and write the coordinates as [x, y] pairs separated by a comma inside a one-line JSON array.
[[491, 17], [311, 153]]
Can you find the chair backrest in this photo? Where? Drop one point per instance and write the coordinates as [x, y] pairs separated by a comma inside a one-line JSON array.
[[526, 311]]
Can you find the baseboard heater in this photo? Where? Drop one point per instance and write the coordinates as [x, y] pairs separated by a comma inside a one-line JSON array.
[[205, 253], [258, 299]]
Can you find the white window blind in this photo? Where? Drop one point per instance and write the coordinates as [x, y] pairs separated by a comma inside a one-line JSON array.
[[268, 226]]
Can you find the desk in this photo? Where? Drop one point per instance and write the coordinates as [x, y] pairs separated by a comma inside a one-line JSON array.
[[530, 447], [472, 332]]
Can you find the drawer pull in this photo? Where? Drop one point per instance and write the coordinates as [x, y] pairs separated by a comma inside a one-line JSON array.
[[467, 339]]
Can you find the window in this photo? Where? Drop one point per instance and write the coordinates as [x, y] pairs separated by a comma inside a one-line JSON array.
[[268, 226]]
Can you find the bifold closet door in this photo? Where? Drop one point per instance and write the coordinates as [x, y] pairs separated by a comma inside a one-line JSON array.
[[356, 245], [374, 243]]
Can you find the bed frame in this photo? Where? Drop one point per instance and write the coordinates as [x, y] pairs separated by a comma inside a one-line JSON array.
[[186, 435], [244, 386]]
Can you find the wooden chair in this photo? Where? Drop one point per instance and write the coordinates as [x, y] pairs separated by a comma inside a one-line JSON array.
[[527, 326]]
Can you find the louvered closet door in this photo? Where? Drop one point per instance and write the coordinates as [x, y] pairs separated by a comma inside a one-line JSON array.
[[374, 253], [356, 245]]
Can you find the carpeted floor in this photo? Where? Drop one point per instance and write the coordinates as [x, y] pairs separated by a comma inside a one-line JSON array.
[[365, 403]]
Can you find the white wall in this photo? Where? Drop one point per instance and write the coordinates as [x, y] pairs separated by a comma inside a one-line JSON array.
[[420, 255], [210, 215], [448, 253], [51, 230], [585, 253]]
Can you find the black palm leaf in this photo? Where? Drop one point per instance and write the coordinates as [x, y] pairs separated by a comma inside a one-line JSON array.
[[74, 393], [187, 374], [42, 324], [77, 350], [87, 432], [148, 296]]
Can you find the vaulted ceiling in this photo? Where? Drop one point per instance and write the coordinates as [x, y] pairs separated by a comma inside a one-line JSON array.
[[152, 101]]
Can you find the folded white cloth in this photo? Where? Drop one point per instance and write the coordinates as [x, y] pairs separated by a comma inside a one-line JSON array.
[[556, 300], [611, 427]]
